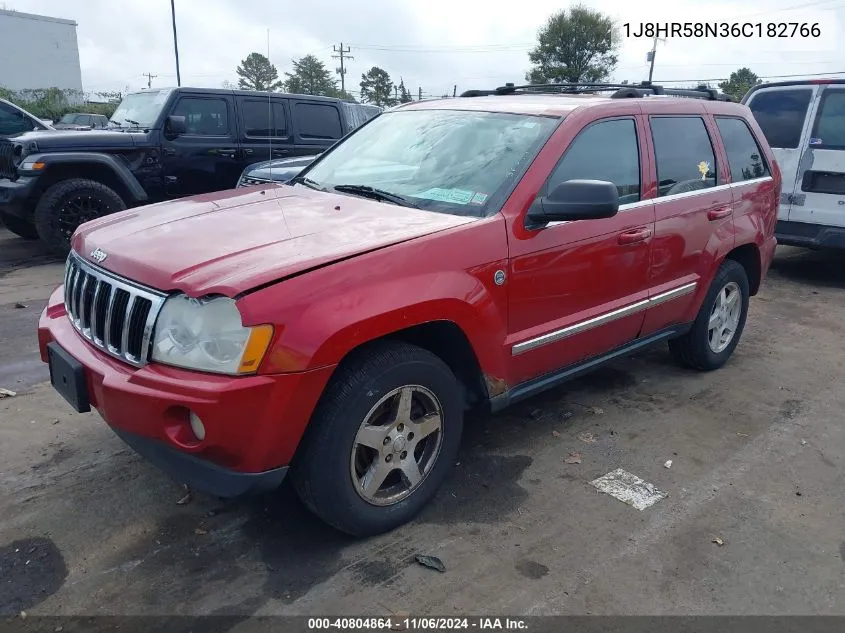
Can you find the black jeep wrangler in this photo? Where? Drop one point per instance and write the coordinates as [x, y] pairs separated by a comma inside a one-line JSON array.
[[161, 144]]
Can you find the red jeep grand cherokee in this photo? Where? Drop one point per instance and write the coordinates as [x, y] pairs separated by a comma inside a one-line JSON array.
[[448, 254]]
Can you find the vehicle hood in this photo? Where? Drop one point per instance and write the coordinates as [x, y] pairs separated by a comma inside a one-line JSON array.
[[53, 140], [280, 169], [230, 242]]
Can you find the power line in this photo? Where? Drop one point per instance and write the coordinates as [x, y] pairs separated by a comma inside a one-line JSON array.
[[669, 81], [149, 79], [341, 54]]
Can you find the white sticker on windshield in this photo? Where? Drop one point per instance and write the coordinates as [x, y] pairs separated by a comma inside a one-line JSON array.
[[456, 196], [479, 198]]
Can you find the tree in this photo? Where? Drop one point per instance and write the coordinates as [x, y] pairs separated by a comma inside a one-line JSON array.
[[377, 88], [228, 85], [739, 83], [257, 73], [575, 46], [311, 77], [404, 93]]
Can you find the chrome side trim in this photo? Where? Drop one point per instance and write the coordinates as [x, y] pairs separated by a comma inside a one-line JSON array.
[[577, 328], [680, 291], [583, 326]]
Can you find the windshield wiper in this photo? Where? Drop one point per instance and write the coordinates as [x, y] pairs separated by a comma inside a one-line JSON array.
[[135, 123], [377, 194], [311, 184]]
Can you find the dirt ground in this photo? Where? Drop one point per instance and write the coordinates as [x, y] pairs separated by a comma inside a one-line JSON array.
[[758, 449]]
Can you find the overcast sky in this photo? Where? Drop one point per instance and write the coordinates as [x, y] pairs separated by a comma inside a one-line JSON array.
[[432, 44]]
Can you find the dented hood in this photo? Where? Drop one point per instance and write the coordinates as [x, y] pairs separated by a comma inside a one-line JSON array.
[[230, 242]]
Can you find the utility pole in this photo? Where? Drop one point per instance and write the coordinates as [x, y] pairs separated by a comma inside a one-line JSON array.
[[175, 42], [455, 90], [396, 92], [149, 79], [650, 56], [419, 93], [342, 56]]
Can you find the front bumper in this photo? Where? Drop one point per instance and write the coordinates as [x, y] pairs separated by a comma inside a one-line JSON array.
[[253, 424], [15, 196]]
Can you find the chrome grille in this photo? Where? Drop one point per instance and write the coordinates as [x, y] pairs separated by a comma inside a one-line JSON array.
[[114, 314]]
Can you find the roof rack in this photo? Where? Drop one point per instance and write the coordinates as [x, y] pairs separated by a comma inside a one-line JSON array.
[[620, 91]]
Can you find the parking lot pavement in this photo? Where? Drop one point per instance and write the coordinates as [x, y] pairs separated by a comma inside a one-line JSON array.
[[757, 453]]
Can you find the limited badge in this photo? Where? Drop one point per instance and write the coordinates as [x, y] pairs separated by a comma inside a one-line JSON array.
[[704, 169]]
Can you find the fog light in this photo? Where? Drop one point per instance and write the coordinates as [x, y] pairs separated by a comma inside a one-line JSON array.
[[197, 426]]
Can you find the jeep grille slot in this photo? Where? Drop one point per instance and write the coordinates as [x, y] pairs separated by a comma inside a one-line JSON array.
[[7, 160], [114, 314]]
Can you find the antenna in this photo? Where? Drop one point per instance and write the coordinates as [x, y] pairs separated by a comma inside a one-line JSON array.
[[270, 122]]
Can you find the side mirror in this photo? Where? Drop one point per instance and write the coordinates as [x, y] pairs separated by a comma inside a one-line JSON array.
[[176, 125], [575, 200]]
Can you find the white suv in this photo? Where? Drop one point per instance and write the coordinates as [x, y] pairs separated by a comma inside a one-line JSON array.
[[804, 122]]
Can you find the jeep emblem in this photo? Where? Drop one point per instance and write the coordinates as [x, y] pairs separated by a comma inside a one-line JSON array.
[[98, 255]]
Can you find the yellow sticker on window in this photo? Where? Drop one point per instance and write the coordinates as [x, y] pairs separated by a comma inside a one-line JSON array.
[[704, 168]]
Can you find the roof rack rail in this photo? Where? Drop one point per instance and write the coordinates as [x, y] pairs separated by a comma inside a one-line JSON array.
[[620, 91]]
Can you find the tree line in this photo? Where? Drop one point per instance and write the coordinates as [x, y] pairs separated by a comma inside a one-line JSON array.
[[311, 77], [54, 103]]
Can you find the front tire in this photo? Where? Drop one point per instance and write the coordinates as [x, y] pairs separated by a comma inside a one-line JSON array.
[[381, 441], [69, 203], [719, 324], [19, 226]]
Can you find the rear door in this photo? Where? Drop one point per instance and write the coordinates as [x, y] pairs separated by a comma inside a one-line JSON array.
[[265, 129], [693, 214], [820, 185], [783, 113], [317, 126]]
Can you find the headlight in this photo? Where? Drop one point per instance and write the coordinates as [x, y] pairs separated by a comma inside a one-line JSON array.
[[206, 334]]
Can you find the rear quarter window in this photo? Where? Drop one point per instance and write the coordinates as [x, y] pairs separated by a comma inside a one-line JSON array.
[[318, 121], [780, 114], [745, 158], [829, 128]]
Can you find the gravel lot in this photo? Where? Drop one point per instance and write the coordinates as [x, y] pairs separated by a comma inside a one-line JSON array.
[[757, 450]]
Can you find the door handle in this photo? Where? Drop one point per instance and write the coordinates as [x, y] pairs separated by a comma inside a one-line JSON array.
[[228, 153], [634, 236], [167, 151], [718, 214], [248, 152], [280, 152]]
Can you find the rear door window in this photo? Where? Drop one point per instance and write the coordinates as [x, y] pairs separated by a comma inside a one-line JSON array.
[[262, 119], [829, 128], [780, 114], [685, 158], [318, 121], [744, 156]]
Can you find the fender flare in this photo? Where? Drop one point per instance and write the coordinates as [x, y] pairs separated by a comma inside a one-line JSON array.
[[136, 191]]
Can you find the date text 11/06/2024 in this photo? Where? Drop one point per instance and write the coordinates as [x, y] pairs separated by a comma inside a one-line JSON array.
[[407, 623], [722, 29]]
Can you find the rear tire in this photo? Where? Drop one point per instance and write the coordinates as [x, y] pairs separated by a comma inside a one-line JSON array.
[[70, 203], [364, 467], [19, 226], [719, 324]]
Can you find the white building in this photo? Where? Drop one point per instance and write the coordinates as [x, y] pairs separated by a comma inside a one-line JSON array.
[[38, 52]]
